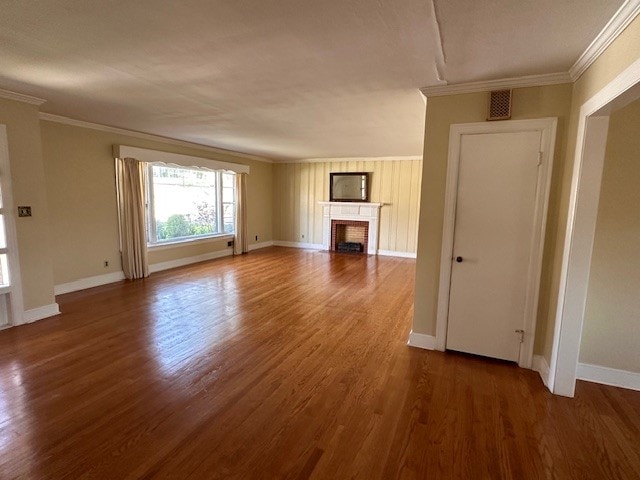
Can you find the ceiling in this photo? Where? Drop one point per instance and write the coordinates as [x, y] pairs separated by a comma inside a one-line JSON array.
[[286, 79]]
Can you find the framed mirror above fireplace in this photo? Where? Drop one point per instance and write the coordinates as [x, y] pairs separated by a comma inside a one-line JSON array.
[[349, 187]]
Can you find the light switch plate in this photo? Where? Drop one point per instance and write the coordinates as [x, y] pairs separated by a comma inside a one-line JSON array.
[[24, 211]]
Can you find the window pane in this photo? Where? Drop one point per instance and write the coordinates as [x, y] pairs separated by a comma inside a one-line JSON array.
[[227, 195], [3, 235], [4, 270], [184, 202], [228, 180]]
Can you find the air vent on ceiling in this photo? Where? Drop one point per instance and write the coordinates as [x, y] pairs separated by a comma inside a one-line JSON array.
[[500, 105]]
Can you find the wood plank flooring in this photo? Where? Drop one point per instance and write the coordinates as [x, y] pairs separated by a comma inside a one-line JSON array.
[[285, 364]]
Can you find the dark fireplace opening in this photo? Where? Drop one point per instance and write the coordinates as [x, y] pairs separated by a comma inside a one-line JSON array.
[[349, 236], [354, 247]]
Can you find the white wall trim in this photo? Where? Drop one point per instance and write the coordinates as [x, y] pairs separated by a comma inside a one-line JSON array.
[[21, 97], [88, 282], [581, 222], [153, 156], [614, 27], [400, 158], [609, 376], [547, 127], [41, 312], [147, 136], [258, 246], [541, 366], [393, 253], [180, 262], [420, 340], [503, 83], [308, 246]]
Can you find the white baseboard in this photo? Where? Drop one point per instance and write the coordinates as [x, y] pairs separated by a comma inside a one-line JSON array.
[[40, 313], [98, 280], [541, 366], [180, 262], [391, 253], [308, 246], [88, 282], [420, 340], [609, 376], [257, 246]]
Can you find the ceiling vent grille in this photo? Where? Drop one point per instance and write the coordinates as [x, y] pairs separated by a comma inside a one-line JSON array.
[[500, 105]]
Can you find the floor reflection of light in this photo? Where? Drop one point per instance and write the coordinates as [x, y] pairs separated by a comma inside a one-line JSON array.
[[185, 332], [15, 434]]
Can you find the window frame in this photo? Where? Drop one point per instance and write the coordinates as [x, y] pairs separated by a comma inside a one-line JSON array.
[[152, 240]]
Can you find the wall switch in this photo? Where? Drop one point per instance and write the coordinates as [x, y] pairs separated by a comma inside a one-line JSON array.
[[24, 211]]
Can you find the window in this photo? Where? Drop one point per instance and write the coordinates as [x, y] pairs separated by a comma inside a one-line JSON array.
[[188, 203]]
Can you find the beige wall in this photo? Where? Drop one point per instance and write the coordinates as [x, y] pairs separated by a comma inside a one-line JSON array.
[[442, 112], [611, 331], [29, 188], [79, 171], [298, 187]]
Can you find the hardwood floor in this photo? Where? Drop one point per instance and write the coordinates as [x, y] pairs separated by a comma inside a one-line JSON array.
[[285, 364]]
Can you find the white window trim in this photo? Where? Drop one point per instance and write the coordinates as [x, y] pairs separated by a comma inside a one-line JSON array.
[[189, 241], [183, 161]]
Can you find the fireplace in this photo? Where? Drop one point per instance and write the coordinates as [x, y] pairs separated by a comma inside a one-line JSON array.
[[349, 236], [355, 224]]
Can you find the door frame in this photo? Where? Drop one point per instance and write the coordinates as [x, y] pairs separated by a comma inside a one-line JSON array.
[[14, 290], [547, 127], [593, 124]]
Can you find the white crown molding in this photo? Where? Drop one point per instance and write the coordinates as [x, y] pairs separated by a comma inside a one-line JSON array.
[[21, 97], [352, 159], [147, 136], [614, 27], [488, 85]]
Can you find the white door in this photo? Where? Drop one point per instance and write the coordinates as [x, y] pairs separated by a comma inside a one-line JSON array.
[[493, 241]]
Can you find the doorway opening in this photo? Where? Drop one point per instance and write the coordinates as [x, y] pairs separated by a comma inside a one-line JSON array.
[[581, 224]]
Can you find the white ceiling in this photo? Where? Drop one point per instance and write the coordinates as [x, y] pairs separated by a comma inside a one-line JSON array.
[[284, 79]]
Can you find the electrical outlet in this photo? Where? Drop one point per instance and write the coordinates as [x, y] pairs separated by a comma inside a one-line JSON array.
[[303, 235], [106, 263], [230, 243], [256, 238]]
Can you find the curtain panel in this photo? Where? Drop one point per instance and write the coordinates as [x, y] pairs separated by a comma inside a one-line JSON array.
[[241, 241], [131, 179]]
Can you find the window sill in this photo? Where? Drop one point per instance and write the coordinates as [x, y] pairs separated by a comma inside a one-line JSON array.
[[189, 241]]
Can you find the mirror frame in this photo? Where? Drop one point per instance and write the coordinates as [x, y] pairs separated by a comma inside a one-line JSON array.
[[333, 198]]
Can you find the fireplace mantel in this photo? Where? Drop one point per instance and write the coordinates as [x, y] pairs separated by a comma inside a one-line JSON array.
[[362, 211]]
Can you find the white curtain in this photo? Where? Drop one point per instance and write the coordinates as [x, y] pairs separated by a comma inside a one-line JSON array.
[[241, 241], [131, 179]]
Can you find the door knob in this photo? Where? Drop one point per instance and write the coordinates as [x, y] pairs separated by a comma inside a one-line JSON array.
[[459, 259]]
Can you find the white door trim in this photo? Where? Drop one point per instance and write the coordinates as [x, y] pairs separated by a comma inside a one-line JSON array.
[[15, 294], [581, 223], [547, 127]]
